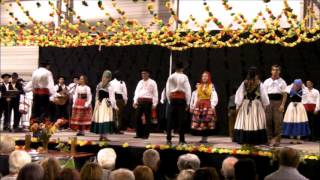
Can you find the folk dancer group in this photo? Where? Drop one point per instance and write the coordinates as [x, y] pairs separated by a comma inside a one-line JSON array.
[[258, 117]]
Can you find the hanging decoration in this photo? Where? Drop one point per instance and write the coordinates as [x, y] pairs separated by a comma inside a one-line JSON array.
[[175, 34]]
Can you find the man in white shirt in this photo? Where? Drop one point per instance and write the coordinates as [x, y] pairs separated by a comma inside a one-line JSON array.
[[42, 86], [145, 99], [121, 96], [311, 100], [275, 87], [178, 92]]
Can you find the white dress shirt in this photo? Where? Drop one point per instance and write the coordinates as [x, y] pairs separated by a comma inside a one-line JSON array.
[[83, 89], [311, 97], [41, 78], [277, 86], [119, 87], [146, 89], [178, 82], [241, 91]]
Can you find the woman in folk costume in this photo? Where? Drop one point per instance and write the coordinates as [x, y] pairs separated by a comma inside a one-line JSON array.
[[295, 122], [102, 122], [205, 101], [251, 99], [81, 109]]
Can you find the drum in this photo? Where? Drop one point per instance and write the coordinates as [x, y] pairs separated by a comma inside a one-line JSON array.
[[24, 105]]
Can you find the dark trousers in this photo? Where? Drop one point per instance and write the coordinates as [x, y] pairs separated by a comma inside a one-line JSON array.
[[119, 115], [176, 112], [40, 107], [62, 111], [143, 128], [312, 119], [6, 109], [13, 105]]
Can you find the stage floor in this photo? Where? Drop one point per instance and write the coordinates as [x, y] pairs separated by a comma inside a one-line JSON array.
[[160, 138]]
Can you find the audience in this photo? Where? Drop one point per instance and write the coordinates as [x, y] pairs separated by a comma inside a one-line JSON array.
[[107, 160], [186, 174], [7, 144], [69, 174], [227, 169], [51, 168], [31, 171], [143, 173], [121, 174], [91, 171], [245, 169], [17, 160], [151, 158], [289, 160], [188, 161], [206, 173]]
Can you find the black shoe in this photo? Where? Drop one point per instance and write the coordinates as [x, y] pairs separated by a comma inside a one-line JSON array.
[[137, 137], [119, 132], [6, 129], [182, 143], [203, 142], [80, 134], [17, 129], [145, 137]]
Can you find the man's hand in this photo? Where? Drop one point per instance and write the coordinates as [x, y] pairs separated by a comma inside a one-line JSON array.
[[135, 105], [281, 108]]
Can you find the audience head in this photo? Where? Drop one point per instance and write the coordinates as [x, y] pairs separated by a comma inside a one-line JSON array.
[[7, 144], [121, 174], [91, 171], [206, 173], [227, 169], [51, 168], [151, 158], [143, 173], [186, 174], [69, 174], [245, 169], [31, 171], [107, 158], [188, 161], [17, 160], [289, 157]]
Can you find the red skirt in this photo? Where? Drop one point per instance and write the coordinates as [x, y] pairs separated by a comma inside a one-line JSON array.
[[203, 118], [81, 115]]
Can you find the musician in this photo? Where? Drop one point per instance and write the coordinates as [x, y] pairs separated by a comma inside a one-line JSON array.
[[61, 98], [145, 99], [15, 101], [42, 86], [5, 102], [120, 90]]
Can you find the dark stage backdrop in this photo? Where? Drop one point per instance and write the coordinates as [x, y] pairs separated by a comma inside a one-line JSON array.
[[227, 65]]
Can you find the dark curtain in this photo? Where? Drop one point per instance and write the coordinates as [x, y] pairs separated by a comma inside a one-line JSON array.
[[228, 66], [92, 61]]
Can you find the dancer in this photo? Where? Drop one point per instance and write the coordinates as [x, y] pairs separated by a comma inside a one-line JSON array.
[[145, 98], [102, 120], [81, 111], [72, 87], [251, 99], [15, 101], [6, 101], [178, 92], [120, 90], [295, 122], [204, 114], [311, 100], [61, 99], [42, 86], [276, 89]]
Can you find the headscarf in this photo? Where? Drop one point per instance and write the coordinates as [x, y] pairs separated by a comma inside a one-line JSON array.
[[298, 83], [107, 73], [209, 77]]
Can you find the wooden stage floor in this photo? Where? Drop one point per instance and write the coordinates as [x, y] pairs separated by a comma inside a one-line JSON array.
[[160, 138]]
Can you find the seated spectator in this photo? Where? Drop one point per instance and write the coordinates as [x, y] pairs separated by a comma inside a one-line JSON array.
[[107, 160], [91, 171], [143, 173], [186, 174], [51, 168], [289, 160], [206, 173], [151, 158], [227, 169], [17, 160], [121, 174], [69, 174], [188, 161], [245, 169], [31, 171], [7, 144]]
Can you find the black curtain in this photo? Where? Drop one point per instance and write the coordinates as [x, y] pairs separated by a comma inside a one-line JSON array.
[[92, 61], [228, 66]]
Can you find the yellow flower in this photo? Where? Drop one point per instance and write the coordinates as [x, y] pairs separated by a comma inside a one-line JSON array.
[[125, 145]]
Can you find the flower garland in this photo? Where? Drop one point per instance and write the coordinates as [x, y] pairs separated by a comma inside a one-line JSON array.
[[124, 31]]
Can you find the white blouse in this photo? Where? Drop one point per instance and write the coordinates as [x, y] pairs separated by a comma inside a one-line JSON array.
[[213, 99], [83, 89], [111, 98], [241, 91]]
